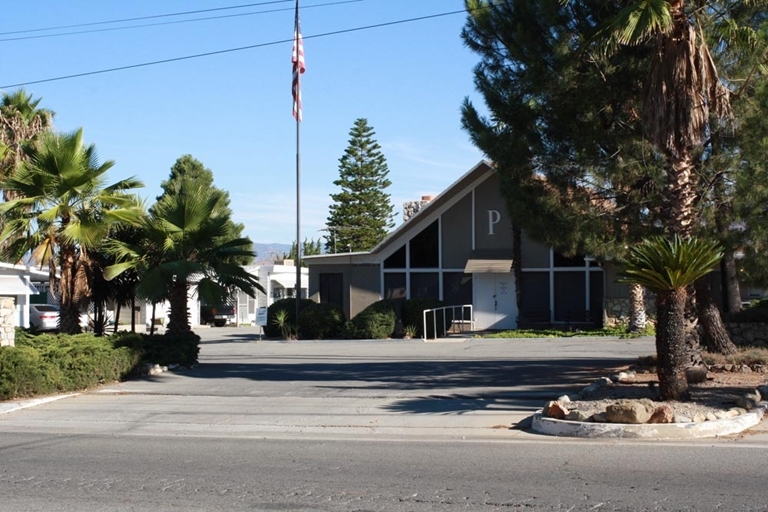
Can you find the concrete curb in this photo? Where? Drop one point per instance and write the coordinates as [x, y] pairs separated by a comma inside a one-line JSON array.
[[555, 427], [6, 407]]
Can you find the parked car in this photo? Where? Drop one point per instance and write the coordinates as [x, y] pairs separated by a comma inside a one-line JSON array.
[[219, 316], [44, 317]]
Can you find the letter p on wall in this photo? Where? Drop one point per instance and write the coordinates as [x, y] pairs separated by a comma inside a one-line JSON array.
[[494, 217]]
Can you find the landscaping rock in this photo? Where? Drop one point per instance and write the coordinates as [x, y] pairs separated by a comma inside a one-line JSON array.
[[696, 374], [662, 414], [629, 411], [577, 416], [555, 410]]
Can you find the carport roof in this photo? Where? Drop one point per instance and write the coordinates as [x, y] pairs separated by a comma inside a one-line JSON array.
[[16, 285]]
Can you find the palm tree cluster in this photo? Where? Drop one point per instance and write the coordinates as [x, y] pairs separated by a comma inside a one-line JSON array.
[[98, 241]]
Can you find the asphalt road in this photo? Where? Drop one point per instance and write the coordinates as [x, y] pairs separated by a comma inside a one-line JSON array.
[[124, 473], [360, 426]]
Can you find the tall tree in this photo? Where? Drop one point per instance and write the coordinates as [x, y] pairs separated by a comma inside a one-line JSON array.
[[189, 167], [564, 130], [21, 123], [186, 241], [67, 211], [361, 213]]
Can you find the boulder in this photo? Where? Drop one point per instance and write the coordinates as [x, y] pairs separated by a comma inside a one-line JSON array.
[[662, 414], [555, 410], [577, 415], [629, 411], [696, 374]]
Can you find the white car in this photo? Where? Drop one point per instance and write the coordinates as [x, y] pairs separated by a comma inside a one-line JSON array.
[[44, 317]]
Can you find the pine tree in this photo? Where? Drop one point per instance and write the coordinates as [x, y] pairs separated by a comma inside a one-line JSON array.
[[188, 166], [361, 213]]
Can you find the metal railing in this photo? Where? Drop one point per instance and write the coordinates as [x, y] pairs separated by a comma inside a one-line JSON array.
[[449, 320]]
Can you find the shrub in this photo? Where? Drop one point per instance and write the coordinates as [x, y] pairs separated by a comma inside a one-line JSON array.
[[377, 321], [50, 363], [321, 321], [272, 330], [413, 315], [23, 373]]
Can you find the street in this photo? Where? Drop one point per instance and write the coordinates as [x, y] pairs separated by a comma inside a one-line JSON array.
[[360, 426]]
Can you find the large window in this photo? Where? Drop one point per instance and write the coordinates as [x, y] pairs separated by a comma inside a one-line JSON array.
[[535, 290], [425, 249], [394, 285], [425, 285], [457, 288], [397, 260]]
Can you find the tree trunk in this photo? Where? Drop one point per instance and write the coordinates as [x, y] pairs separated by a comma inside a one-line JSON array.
[[731, 288], [69, 312], [637, 317], [133, 313], [178, 322], [714, 336], [117, 318], [517, 264], [671, 345], [152, 322]]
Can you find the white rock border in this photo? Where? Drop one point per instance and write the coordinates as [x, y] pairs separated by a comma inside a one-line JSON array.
[[722, 427]]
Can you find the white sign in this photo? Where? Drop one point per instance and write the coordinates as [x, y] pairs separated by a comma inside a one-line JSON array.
[[261, 316]]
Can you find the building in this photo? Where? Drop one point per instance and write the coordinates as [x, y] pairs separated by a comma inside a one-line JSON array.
[[458, 248], [278, 279], [25, 285]]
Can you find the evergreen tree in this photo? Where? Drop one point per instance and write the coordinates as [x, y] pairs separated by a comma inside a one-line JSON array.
[[361, 213], [189, 167], [308, 248]]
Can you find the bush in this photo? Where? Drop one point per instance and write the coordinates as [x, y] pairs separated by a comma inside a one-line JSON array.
[[413, 315], [56, 363], [272, 330], [377, 321], [321, 321], [23, 373]]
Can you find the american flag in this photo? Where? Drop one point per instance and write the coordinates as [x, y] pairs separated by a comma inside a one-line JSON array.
[[297, 58]]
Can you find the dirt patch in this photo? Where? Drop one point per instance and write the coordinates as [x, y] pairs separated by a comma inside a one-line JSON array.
[[719, 392]]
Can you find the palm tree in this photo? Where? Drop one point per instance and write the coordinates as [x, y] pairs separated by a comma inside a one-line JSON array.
[[186, 241], [63, 212], [21, 123], [668, 267], [682, 94]]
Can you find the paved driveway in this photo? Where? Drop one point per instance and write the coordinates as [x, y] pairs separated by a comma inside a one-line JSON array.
[[244, 387]]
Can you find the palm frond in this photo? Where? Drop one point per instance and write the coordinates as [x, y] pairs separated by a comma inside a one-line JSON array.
[[661, 264]]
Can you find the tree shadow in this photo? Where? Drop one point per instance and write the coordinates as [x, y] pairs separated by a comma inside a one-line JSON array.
[[477, 377]]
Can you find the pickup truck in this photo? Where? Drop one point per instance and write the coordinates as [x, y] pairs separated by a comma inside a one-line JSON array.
[[219, 316]]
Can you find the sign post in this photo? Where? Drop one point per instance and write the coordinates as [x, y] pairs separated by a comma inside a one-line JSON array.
[[261, 320]]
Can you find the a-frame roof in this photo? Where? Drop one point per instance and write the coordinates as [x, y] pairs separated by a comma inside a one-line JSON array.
[[457, 188]]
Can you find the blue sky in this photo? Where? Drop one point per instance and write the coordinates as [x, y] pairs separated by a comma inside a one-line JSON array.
[[233, 111]]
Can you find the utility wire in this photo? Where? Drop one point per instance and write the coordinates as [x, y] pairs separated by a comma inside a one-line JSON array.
[[231, 50], [43, 36], [154, 16]]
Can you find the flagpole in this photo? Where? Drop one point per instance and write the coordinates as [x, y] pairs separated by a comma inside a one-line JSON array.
[[297, 289]]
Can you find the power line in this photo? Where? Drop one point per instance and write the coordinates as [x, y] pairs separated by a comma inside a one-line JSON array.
[[140, 18], [231, 50], [44, 36]]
